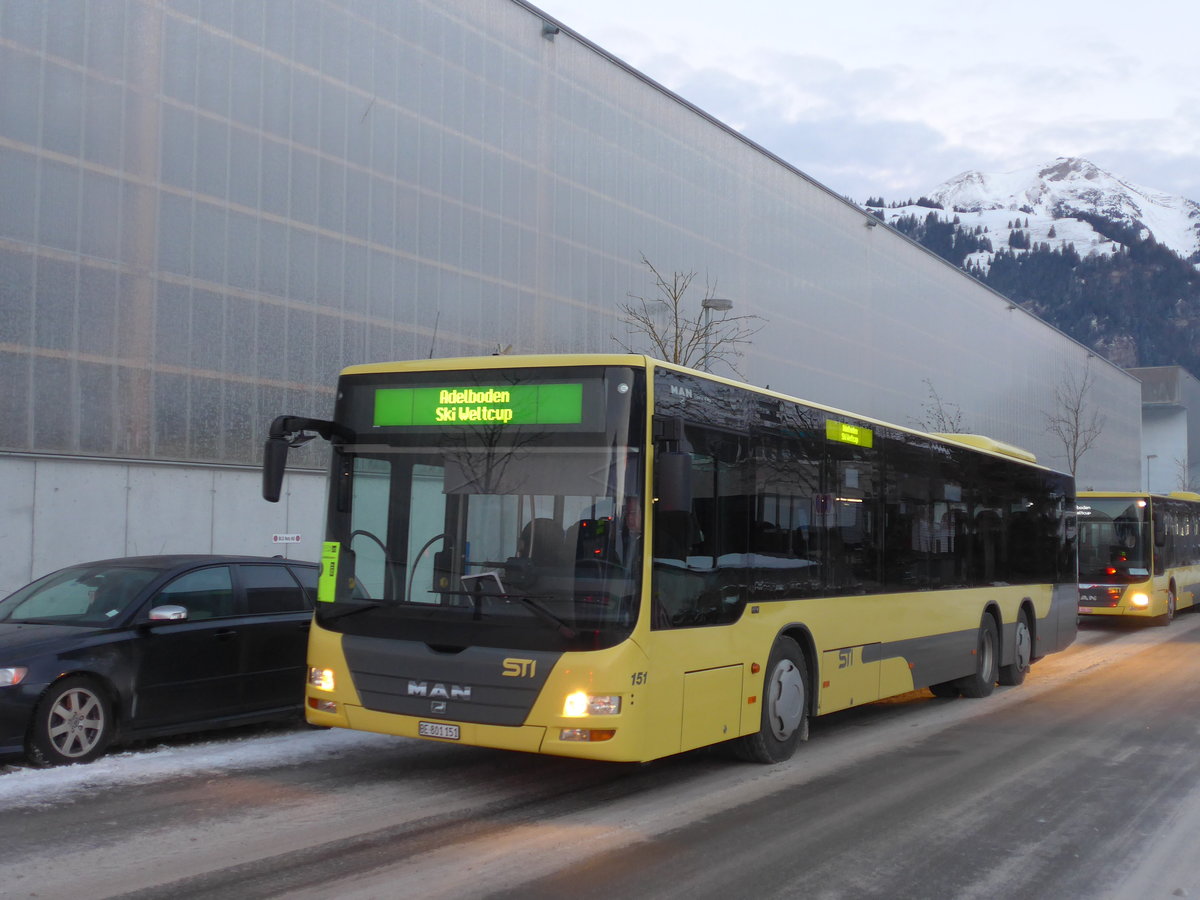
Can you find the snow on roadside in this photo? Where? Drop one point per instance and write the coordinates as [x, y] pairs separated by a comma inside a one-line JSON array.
[[22, 786]]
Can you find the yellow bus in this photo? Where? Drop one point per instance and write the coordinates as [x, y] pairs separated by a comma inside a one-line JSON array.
[[1139, 554], [612, 557]]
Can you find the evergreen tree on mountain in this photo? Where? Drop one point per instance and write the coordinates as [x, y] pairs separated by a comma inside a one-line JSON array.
[[1145, 296]]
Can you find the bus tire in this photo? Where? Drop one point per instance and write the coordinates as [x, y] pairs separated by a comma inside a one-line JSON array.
[[1015, 672], [981, 682], [784, 703], [1169, 616]]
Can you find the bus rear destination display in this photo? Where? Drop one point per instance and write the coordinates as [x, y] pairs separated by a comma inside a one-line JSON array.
[[521, 404]]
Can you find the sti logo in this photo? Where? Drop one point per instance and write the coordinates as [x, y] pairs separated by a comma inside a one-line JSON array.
[[519, 668]]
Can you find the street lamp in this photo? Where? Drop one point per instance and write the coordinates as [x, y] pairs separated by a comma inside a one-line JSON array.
[[710, 303], [1149, 456]]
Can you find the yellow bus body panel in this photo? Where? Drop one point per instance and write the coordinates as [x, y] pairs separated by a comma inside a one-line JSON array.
[[702, 688]]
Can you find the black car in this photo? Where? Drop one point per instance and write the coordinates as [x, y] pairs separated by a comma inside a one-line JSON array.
[[148, 646]]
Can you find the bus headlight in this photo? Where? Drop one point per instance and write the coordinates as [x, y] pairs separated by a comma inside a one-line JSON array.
[[1140, 600], [321, 679], [580, 704]]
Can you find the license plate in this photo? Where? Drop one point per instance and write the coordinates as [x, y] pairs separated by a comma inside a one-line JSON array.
[[1086, 610], [438, 730]]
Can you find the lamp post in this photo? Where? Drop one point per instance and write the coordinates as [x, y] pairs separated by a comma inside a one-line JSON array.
[[709, 304], [1149, 456]]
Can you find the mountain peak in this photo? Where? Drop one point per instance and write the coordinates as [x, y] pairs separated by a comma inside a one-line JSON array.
[[1076, 188]]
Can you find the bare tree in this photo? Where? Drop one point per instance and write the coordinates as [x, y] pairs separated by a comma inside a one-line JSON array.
[[939, 416], [676, 334], [1183, 475], [1075, 421]]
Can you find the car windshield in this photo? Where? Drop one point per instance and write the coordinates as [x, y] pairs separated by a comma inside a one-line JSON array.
[[86, 595]]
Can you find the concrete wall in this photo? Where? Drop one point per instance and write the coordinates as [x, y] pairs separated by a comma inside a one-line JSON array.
[[57, 511]]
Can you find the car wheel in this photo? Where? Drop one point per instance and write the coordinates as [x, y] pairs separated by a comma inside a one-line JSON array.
[[784, 703], [1022, 652], [980, 684], [73, 723]]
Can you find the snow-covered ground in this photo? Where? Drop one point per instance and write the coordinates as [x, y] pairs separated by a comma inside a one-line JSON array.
[[239, 751]]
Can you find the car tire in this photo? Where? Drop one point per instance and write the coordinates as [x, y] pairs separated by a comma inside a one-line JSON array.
[[73, 723]]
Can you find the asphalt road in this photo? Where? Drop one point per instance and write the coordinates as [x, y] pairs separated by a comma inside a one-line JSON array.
[[1082, 783]]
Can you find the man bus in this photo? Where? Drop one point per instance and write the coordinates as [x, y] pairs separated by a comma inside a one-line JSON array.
[[1139, 554], [612, 557]]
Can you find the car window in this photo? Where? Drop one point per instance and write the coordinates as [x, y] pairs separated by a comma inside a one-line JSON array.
[[271, 589], [205, 593], [308, 576], [80, 595]]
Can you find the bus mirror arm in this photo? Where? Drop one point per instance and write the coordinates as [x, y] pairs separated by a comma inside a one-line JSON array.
[[287, 432]]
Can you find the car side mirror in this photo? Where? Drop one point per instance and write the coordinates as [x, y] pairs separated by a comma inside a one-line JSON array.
[[169, 613]]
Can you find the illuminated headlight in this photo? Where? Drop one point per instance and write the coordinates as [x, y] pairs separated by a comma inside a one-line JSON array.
[[321, 679], [12, 675], [1141, 601], [580, 704]]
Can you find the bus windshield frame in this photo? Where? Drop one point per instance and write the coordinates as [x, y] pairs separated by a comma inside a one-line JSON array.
[[493, 508], [1114, 545]]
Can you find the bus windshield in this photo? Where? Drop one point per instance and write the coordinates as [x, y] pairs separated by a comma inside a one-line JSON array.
[[1114, 541], [491, 533]]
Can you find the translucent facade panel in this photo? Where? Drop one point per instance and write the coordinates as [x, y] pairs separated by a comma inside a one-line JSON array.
[[212, 207], [16, 298], [18, 186]]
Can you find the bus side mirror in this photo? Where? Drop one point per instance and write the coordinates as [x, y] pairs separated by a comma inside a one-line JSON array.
[[275, 453], [673, 487]]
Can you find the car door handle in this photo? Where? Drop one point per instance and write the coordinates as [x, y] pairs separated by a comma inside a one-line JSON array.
[[225, 634]]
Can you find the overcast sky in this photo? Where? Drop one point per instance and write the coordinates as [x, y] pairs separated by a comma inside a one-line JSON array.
[[875, 98]]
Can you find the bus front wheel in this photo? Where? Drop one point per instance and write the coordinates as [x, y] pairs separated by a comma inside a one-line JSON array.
[[1169, 616], [784, 704], [980, 683]]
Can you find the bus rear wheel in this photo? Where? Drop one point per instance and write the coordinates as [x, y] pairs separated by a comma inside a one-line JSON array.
[[784, 703], [1022, 652], [980, 683]]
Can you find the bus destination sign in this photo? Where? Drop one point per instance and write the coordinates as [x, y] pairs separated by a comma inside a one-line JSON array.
[[521, 404], [845, 433]]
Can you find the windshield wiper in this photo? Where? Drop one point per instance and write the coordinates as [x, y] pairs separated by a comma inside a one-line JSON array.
[[565, 630], [347, 608], [560, 625]]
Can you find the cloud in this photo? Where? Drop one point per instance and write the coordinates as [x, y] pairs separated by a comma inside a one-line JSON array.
[[900, 99], [899, 131]]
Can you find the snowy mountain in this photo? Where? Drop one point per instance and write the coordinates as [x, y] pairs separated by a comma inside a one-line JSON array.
[[1075, 189], [1113, 264]]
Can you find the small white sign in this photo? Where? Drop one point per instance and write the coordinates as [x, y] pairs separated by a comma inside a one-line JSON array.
[[285, 539]]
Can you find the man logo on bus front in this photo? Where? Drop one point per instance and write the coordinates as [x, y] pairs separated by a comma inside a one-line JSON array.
[[439, 691]]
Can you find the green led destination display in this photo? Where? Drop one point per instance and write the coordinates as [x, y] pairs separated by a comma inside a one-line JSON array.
[[523, 404], [848, 434]]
